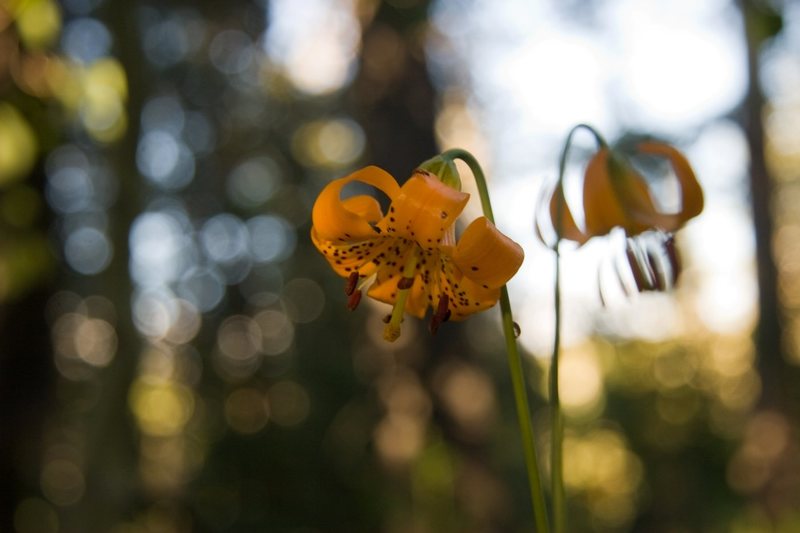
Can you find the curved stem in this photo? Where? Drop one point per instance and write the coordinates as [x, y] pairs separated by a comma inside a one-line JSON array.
[[514, 360], [557, 416]]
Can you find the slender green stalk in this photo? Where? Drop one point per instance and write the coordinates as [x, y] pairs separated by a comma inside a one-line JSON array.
[[514, 360], [557, 416]]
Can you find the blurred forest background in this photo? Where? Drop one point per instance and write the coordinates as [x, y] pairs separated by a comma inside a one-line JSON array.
[[175, 356]]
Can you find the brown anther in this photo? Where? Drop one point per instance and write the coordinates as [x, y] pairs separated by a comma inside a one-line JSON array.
[[350, 284], [672, 256], [641, 278], [659, 279], [354, 300], [441, 315], [443, 306], [405, 283], [433, 327]]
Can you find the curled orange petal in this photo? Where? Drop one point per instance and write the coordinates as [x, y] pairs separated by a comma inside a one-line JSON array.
[[615, 195], [691, 193], [337, 220], [486, 256], [365, 207], [569, 229]]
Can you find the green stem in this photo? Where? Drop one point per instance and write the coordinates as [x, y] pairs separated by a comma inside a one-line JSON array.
[[557, 416], [514, 360]]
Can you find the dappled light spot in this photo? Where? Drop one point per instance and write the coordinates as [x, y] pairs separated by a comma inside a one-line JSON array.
[[317, 56], [69, 189], [239, 343], [277, 331], [231, 52], [290, 403], [767, 437], [239, 338], [581, 381], [304, 300], [168, 38], [161, 408], [88, 250], [272, 238], [38, 23], [330, 143], [18, 144], [468, 396], [95, 342], [105, 90], [246, 410], [86, 40], [224, 238], [254, 182], [34, 515], [83, 334], [203, 286], [165, 160], [185, 324], [399, 439], [610, 485], [163, 113], [153, 312], [62, 482], [158, 247]]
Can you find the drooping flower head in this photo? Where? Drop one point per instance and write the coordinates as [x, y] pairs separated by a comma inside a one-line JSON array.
[[615, 195], [408, 256]]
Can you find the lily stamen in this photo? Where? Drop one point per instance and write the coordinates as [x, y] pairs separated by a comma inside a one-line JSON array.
[[641, 273], [405, 283], [354, 300], [441, 315], [350, 284], [672, 256]]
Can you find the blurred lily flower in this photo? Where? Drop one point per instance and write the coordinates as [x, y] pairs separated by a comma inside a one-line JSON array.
[[616, 195], [409, 257]]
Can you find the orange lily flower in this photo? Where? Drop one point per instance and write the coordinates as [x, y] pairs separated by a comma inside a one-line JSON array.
[[616, 195], [409, 256]]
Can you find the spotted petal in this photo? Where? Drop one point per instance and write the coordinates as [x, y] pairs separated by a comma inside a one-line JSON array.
[[424, 210], [486, 256], [363, 256], [465, 295]]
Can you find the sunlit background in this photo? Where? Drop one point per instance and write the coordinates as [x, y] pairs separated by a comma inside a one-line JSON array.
[[175, 356]]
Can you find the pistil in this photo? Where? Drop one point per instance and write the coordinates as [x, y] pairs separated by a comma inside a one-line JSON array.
[[392, 330]]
